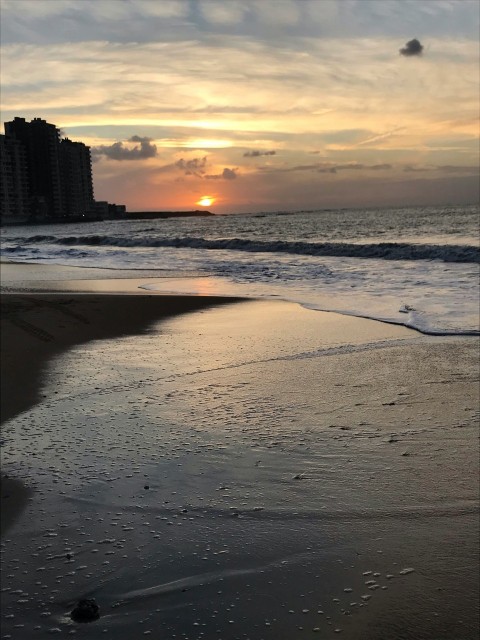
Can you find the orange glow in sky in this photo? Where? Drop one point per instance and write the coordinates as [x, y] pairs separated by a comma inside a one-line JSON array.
[[205, 201], [236, 119]]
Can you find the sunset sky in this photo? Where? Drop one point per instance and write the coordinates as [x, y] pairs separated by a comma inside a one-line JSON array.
[[258, 104]]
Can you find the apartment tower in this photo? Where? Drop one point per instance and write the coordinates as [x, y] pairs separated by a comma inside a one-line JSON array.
[[41, 141], [76, 171], [14, 186]]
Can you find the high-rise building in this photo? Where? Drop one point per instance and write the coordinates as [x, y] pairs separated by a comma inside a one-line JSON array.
[[46, 178], [76, 171], [41, 141], [14, 188]]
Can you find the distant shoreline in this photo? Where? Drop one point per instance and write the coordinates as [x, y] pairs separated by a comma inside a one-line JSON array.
[[147, 215], [134, 215]]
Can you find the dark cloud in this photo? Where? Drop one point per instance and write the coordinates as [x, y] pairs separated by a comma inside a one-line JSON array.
[[323, 167], [227, 174], [412, 48], [414, 168], [458, 169], [257, 154], [194, 167], [117, 150], [301, 167], [139, 139], [447, 168], [356, 166]]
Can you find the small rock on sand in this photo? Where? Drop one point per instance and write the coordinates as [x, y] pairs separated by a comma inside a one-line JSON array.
[[86, 611]]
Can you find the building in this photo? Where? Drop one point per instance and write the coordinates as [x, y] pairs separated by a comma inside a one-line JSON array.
[[45, 178], [41, 141], [100, 208], [14, 187], [76, 170], [116, 211]]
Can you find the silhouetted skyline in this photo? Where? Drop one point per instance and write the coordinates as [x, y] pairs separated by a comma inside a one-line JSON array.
[[44, 176]]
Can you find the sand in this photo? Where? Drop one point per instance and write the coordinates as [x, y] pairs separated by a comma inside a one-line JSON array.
[[212, 468]]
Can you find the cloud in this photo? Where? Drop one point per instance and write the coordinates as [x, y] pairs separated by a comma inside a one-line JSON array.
[[327, 167], [193, 167], [414, 168], [412, 48], [164, 9], [277, 12], [169, 21], [117, 150], [458, 169], [227, 174], [34, 10], [446, 168], [225, 13], [379, 136], [257, 154]]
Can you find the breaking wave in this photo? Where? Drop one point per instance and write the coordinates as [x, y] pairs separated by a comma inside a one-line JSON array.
[[384, 250]]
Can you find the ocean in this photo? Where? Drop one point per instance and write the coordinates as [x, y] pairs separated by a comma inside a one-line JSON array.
[[415, 266]]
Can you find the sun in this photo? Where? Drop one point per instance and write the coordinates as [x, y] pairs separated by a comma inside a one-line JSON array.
[[205, 201]]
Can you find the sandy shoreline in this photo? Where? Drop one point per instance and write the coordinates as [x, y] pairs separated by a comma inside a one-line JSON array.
[[36, 327], [225, 469]]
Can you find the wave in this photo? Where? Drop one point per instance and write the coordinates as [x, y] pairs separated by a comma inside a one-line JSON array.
[[383, 250]]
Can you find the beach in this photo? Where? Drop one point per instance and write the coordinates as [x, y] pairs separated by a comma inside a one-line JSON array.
[[211, 467]]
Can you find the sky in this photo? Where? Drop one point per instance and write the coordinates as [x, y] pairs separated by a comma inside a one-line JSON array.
[[255, 105]]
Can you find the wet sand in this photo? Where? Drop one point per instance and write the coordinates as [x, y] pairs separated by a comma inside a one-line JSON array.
[[206, 468], [14, 496]]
